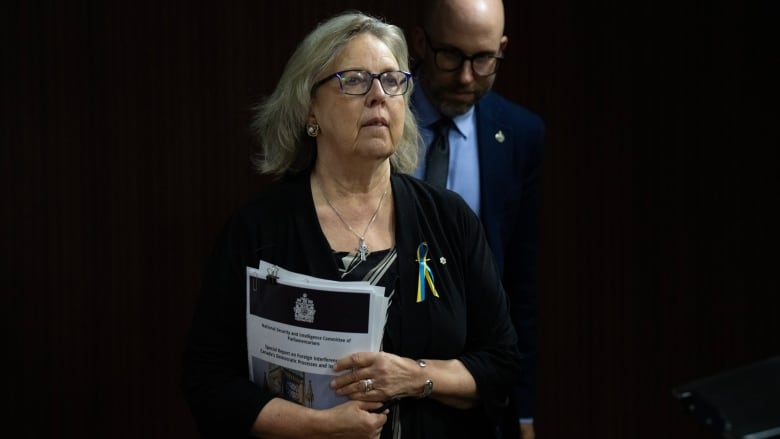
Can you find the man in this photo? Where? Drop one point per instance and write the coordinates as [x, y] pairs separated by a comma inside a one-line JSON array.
[[492, 157]]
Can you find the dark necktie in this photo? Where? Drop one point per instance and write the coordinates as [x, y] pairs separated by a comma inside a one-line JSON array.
[[438, 161]]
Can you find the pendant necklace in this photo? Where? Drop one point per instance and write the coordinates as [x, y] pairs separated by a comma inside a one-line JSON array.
[[362, 248]]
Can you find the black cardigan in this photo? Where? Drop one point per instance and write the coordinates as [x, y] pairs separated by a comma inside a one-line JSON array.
[[469, 321]]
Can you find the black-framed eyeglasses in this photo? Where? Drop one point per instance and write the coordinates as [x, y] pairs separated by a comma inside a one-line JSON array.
[[358, 82], [451, 59]]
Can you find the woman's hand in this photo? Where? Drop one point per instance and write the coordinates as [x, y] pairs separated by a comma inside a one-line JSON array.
[[350, 420], [380, 376], [377, 376]]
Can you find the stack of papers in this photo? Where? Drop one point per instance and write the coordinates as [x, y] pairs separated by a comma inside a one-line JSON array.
[[298, 326]]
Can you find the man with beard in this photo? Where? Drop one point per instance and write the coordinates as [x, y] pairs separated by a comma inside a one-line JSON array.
[[491, 155]]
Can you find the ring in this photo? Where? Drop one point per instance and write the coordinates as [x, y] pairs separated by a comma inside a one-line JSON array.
[[368, 385]]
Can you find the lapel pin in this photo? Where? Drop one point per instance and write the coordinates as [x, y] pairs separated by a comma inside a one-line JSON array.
[[500, 136], [442, 260]]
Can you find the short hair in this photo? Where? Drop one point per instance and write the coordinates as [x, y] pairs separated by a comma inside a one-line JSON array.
[[280, 119]]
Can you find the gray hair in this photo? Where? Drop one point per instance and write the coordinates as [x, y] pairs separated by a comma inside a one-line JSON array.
[[280, 118]]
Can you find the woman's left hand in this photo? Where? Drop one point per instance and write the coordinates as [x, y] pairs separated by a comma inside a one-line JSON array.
[[375, 376]]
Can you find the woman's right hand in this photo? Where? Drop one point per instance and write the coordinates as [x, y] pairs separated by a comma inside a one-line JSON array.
[[350, 420]]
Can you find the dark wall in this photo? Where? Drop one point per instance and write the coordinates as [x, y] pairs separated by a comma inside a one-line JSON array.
[[125, 145]]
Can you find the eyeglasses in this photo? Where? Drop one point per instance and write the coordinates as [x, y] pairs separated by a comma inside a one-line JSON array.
[[451, 59], [358, 82]]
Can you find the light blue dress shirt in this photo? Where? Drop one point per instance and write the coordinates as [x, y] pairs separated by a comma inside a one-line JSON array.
[[463, 175]]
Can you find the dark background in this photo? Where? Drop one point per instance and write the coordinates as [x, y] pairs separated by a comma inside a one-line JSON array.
[[125, 145]]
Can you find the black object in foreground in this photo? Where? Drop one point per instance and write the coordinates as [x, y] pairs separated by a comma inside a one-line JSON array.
[[743, 403]]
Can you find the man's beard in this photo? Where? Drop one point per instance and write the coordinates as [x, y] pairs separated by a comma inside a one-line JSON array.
[[450, 107]]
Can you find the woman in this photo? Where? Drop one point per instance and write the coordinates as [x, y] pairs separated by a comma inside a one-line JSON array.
[[339, 134]]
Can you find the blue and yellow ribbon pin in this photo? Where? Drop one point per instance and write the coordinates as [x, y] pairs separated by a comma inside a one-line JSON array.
[[426, 275]]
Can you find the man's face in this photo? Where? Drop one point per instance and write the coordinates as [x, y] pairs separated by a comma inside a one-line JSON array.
[[455, 92]]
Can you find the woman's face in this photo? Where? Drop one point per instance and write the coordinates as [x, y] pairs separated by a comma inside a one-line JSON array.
[[354, 127]]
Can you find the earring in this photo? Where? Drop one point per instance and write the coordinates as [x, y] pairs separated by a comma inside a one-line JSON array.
[[313, 129]]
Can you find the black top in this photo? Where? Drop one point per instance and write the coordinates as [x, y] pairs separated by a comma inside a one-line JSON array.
[[468, 321]]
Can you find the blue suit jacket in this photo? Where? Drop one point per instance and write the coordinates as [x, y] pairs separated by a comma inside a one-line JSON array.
[[510, 140]]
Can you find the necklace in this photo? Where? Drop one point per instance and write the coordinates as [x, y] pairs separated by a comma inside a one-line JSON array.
[[362, 248]]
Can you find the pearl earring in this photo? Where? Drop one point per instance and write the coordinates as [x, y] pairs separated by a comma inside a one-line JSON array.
[[313, 129]]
